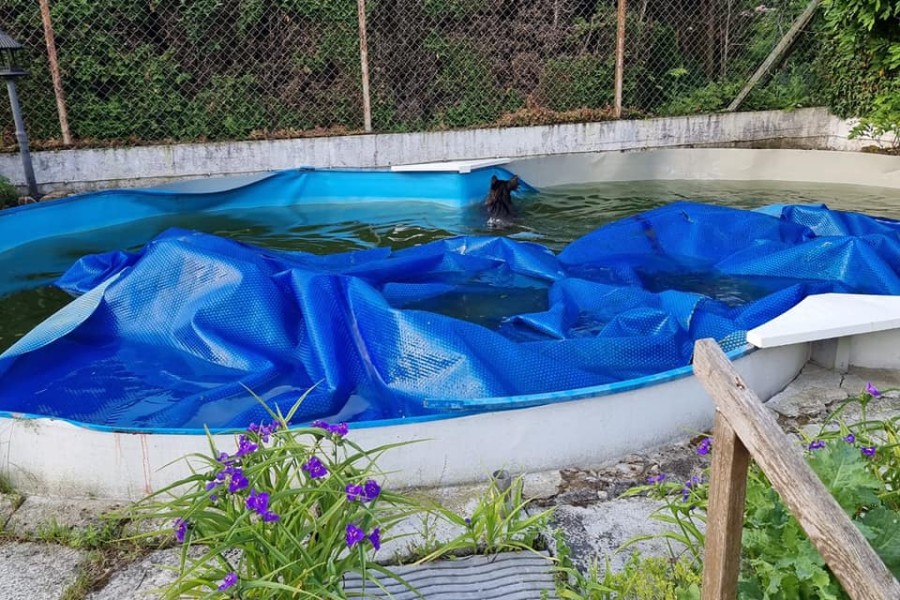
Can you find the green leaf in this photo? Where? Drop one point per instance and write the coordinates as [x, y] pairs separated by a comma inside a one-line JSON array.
[[882, 529], [844, 471]]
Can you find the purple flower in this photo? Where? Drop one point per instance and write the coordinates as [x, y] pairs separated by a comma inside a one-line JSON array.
[[372, 490], [354, 535], [688, 486], [817, 444], [180, 530], [872, 390], [468, 522], [238, 481], [868, 451], [339, 430], [375, 539], [354, 492], [258, 501], [225, 459], [210, 486], [315, 468], [270, 517], [228, 582], [245, 447], [363, 493], [704, 447], [850, 438], [263, 431], [656, 479]]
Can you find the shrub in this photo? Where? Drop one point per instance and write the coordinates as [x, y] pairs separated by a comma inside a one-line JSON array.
[[859, 464], [8, 193]]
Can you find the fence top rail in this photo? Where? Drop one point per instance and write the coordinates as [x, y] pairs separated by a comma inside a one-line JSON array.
[[848, 554]]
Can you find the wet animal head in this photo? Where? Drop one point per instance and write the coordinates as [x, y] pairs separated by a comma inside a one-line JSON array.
[[499, 200]]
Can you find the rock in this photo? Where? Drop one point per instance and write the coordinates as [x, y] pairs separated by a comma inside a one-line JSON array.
[[595, 533], [37, 571], [139, 580], [38, 513], [543, 485], [810, 394]]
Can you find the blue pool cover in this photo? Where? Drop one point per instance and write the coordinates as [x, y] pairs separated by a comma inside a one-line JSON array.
[[174, 336]]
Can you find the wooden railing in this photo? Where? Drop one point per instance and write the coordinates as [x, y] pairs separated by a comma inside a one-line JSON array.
[[744, 428]]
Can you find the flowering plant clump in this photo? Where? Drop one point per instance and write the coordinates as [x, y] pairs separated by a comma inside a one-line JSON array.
[[286, 515], [859, 463]]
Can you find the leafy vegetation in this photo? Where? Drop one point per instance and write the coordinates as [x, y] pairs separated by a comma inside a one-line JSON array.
[[229, 69], [8, 197], [859, 465], [860, 64], [292, 511]]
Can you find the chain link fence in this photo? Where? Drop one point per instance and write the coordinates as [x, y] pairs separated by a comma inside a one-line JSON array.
[[137, 71]]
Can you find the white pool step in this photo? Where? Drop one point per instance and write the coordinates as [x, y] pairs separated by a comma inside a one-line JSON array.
[[831, 317], [454, 166]]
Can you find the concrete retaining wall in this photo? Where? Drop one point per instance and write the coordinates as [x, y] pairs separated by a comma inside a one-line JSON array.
[[89, 169]]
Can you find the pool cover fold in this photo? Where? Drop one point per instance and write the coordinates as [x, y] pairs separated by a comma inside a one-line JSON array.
[[174, 336]]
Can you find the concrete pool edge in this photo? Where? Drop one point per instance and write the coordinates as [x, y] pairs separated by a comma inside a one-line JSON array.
[[99, 168], [54, 457], [51, 456]]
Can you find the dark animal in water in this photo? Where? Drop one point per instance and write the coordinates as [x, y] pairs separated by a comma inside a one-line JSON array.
[[499, 201]]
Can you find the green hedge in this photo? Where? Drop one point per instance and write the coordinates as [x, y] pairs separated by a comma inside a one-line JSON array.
[[231, 69]]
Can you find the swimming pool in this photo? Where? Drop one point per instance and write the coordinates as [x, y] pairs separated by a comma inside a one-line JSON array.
[[552, 218]]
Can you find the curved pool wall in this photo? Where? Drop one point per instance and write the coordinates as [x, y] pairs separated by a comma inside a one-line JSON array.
[[584, 426], [335, 187]]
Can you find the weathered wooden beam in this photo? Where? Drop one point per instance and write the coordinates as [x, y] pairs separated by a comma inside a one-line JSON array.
[[364, 64], [620, 58], [725, 519], [848, 554], [777, 54], [53, 62]]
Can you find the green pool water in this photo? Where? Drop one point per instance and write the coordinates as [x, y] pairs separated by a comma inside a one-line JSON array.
[[553, 218]]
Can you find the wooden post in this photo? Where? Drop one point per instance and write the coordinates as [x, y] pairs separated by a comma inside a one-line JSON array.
[[727, 491], [777, 54], [848, 554], [620, 58], [50, 38], [364, 64]]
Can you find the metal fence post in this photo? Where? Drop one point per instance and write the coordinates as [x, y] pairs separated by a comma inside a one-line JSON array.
[[22, 137]]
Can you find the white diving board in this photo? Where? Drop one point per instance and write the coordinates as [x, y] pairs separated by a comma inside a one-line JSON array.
[[837, 317], [455, 166], [828, 316]]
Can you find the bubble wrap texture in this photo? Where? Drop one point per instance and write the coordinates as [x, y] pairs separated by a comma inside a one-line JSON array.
[[192, 321]]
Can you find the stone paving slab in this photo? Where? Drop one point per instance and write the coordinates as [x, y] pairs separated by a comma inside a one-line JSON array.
[[596, 532], [38, 512], [810, 393], [142, 580], [31, 571]]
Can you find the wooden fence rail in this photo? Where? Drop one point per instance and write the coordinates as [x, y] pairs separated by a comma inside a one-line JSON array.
[[744, 428]]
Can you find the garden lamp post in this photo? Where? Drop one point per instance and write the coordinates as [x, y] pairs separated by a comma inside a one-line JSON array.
[[10, 70]]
